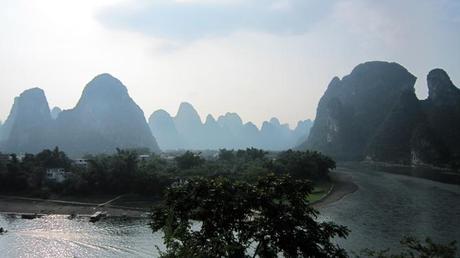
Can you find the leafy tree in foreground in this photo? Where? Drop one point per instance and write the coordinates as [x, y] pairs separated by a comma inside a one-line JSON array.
[[414, 248], [218, 217]]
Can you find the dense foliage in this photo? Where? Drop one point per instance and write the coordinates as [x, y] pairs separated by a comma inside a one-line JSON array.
[[219, 217], [123, 172], [189, 160], [304, 164], [16, 175], [126, 172]]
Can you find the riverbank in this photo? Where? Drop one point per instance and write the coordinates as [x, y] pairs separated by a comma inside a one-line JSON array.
[[433, 173], [342, 186], [22, 205]]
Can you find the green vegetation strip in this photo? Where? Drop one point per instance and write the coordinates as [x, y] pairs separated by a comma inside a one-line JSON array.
[[320, 191]]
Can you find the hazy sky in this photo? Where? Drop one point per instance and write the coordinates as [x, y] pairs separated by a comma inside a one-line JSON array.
[[260, 58]]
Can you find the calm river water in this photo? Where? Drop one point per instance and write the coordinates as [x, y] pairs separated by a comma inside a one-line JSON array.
[[386, 207]]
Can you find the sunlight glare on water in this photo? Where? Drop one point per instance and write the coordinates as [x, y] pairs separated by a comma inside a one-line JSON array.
[[57, 236], [383, 209]]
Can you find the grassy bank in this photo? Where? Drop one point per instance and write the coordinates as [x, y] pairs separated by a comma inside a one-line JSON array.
[[320, 190]]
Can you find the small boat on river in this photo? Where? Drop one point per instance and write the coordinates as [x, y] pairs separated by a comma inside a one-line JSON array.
[[97, 216]]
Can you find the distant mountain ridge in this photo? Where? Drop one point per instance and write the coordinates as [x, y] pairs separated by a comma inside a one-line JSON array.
[[28, 124], [55, 112], [374, 114], [187, 131], [104, 119]]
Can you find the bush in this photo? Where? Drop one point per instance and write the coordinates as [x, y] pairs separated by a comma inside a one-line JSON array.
[[219, 217]]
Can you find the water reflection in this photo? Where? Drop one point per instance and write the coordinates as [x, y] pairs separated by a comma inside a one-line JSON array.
[[57, 236], [386, 207]]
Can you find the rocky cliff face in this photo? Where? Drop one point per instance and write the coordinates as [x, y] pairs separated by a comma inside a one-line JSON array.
[[392, 141], [442, 111], [228, 131], [373, 113], [188, 124], [231, 132], [275, 135], [55, 112], [164, 130], [213, 134], [28, 125], [302, 131], [105, 118], [352, 109], [1, 134], [441, 90]]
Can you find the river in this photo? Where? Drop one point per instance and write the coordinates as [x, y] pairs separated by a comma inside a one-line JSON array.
[[388, 206], [384, 208]]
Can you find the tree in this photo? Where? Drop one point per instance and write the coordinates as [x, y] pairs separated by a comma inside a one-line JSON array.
[[226, 155], [153, 177], [189, 160], [238, 219], [124, 168], [114, 173], [251, 154], [15, 178], [53, 159], [304, 164]]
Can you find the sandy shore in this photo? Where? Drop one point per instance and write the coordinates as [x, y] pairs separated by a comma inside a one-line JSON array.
[[11, 205], [343, 185]]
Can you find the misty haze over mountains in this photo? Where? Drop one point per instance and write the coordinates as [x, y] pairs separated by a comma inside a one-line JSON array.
[[371, 114], [29, 123], [55, 112], [187, 131], [106, 118]]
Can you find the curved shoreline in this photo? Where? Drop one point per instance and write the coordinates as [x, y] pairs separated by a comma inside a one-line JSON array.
[[343, 185], [432, 173]]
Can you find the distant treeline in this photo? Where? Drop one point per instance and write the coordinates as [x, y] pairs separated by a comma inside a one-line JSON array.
[[127, 171]]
